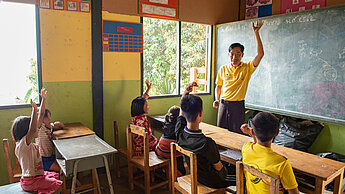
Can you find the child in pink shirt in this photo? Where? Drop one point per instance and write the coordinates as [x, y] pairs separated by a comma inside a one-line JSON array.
[[34, 178]]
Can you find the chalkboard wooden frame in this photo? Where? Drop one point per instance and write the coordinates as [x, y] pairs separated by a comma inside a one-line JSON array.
[[303, 71]]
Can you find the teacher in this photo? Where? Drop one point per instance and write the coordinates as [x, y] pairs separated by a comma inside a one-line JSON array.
[[232, 83]]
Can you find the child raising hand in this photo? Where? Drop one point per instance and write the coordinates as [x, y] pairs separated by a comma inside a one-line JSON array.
[[34, 178]]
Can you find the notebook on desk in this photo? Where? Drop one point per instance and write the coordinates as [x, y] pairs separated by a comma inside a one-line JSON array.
[[233, 154]]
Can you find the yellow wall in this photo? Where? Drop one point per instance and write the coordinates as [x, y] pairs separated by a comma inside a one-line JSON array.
[[65, 45], [66, 73], [121, 65]]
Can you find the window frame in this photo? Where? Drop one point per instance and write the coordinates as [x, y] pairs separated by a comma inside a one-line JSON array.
[[178, 85], [38, 50]]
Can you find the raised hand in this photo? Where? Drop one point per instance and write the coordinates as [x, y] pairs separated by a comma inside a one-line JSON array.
[[148, 84], [43, 93], [256, 27], [189, 87], [33, 105]]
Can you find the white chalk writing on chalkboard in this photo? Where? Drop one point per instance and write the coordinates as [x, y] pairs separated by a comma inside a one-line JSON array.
[[303, 70]]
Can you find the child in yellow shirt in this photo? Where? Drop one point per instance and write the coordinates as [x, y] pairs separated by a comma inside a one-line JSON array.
[[260, 156]]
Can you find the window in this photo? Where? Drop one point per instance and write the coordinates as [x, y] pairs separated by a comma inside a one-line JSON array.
[[176, 53], [18, 54]]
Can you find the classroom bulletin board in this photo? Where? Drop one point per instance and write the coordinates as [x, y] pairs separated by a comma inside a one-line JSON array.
[[258, 8], [67, 5], [288, 6], [159, 8], [122, 36]]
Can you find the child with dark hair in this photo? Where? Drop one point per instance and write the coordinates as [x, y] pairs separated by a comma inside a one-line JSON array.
[[260, 155], [45, 141], [139, 108], [163, 147], [24, 130], [210, 171]]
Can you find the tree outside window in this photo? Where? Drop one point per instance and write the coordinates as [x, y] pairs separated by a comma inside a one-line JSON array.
[[174, 54]]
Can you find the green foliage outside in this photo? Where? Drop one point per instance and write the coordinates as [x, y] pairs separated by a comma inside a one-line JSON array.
[[193, 51], [161, 53], [32, 78]]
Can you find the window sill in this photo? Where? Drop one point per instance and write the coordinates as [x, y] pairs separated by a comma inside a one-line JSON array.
[[15, 106], [176, 96]]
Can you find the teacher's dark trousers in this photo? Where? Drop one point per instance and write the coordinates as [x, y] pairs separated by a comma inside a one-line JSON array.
[[231, 115]]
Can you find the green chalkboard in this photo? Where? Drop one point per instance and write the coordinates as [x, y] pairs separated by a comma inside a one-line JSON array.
[[303, 71]]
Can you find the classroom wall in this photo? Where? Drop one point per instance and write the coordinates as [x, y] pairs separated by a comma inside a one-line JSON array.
[[66, 73], [196, 11], [122, 84]]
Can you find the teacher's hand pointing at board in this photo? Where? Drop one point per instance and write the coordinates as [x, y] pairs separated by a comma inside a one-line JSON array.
[[256, 27]]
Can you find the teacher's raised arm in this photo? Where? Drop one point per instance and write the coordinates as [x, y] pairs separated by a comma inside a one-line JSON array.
[[232, 83]]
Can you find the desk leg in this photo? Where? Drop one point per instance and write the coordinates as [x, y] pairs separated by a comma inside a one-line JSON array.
[[75, 172], [338, 183], [108, 174], [320, 186]]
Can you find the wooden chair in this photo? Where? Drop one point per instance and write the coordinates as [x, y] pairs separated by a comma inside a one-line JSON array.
[[147, 163], [121, 151], [14, 173], [188, 183], [241, 167]]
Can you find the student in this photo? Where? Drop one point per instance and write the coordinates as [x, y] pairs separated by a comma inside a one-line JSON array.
[[139, 108], [34, 178], [163, 147], [210, 171], [45, 141], [260, 156]]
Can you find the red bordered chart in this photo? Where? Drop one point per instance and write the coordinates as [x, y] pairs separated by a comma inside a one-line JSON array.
[[122, 36], [159, 8]]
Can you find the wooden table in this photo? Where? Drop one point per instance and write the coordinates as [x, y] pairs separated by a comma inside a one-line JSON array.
[[72, 130], [156, 122], [322, 169]]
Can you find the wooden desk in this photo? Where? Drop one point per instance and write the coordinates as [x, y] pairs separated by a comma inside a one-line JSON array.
[[83, 153], [322, 169], [72, 130], [156, 122]]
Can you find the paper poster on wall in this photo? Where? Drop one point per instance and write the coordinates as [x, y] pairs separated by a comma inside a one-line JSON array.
[[122, 36], [66, 5], [287, 6], [258, 8], [159, 8]]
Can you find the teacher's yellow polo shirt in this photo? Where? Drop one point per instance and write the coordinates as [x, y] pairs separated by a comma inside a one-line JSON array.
[[234, 80]]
